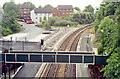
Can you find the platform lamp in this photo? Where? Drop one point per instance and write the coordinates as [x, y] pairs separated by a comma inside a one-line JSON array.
[[102, 40]]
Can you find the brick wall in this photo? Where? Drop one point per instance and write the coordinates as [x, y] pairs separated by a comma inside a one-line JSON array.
[[62, 13], [24, 13]]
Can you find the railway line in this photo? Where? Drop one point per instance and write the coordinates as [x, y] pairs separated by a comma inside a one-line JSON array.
[[68, 44]]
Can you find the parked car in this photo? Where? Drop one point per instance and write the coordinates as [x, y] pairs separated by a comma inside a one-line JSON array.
[[29, 22], [46, 32]]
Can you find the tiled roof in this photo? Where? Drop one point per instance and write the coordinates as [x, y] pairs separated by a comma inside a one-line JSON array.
[[25, 6], [43, 10], [65, 7]]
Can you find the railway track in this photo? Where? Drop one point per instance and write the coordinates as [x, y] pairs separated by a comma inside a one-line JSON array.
[[69, 44]]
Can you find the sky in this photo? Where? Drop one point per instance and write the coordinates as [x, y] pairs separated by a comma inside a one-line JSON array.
[[76, 3]]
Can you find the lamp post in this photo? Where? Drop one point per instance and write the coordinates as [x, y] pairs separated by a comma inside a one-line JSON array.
[[102, 40]]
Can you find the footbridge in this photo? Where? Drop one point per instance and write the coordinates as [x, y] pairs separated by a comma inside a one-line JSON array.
[[53, 57]]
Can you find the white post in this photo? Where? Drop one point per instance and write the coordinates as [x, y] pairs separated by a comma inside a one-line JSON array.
[[82, 58], [69, 59]]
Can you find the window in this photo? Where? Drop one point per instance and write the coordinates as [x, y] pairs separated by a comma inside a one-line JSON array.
[[25, 12], [24, 9], [63, 13]]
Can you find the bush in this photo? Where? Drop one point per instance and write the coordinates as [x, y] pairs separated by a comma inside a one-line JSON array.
[[65, 23], [9, 26]]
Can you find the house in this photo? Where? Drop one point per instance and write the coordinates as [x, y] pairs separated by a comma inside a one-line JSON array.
[[63, 10], [39, 14], [25, 12]]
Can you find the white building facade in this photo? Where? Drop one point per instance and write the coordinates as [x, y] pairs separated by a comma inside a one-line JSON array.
[[41, 13]]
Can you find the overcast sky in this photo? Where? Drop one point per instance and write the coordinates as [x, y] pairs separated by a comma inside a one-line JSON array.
[[79, 3]]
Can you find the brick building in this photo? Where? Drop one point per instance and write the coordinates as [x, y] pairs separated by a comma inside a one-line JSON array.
[[63, 10], [25, 12]]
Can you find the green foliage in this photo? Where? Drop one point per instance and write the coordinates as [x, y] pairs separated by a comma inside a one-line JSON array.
[[113, 67], [40, 19], [69, 17], [11, 9], [89, 8], [96, 23], [6, 32], [72, 19], [83, 17], [9, 26], [32, 6], [118, 18], [48, 6], [0, 31], [40, 6], [107, 26], [109, 9], [44, 18], [63, 23], [52, 20], [108, 20], [117, 12], [77, 8], [45, 24], [100, 14]]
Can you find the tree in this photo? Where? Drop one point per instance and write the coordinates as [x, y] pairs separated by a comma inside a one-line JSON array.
[[96, 24], [0, 31], [48, 6], [107, 26], [109, 18], [44, 18], [9, 26], [89, 8], [40, 19], [11, 9], [32, 6], [83, 17], [117, 12], [100, 14], [112, 70], [40, 6], [77, 8], [109, 9], [52, 20]]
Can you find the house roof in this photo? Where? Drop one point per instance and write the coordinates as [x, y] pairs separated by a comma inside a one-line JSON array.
[[65, 7], [43, 10], [25, 6]]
